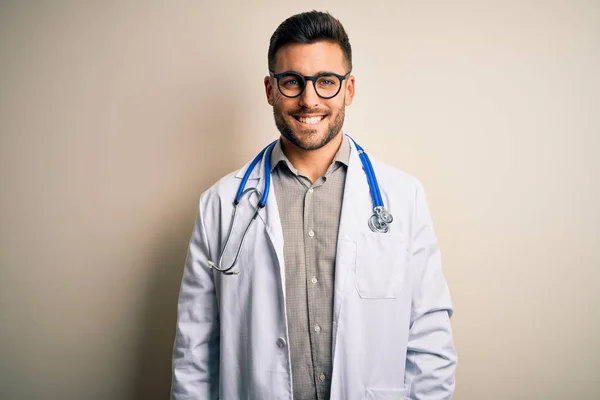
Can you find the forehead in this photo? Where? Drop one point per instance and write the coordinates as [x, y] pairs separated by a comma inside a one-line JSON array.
[[309, 59]]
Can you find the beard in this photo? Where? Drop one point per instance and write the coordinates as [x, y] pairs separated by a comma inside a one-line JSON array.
[[303, 138]]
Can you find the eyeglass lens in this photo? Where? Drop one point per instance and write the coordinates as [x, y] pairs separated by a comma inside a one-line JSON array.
[[292, 85]]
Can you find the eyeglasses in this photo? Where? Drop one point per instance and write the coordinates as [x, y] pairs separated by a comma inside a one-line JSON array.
[[291, 84]]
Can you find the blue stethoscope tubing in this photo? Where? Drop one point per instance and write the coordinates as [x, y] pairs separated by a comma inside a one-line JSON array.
[[381, 218], [371, 179], [379, 221], [262, 202]]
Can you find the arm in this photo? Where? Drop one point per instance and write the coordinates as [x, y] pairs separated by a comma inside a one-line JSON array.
[[196, 349], [431, 358]]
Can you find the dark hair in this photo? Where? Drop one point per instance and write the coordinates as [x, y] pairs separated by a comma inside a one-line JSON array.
[[309, 27]]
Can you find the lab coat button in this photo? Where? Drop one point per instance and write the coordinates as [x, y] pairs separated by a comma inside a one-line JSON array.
[[314, 280], [281, 343], [322, 377], [310, 190], [311, 233], [317, 328]]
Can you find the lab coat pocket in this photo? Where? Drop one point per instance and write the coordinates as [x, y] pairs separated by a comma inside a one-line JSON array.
[[386, 394], [379, 265]]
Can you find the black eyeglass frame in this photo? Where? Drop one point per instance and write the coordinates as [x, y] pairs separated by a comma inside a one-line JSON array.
[[312, 78]]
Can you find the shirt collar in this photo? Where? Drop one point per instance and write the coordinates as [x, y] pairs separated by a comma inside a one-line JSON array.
[[342, 156]]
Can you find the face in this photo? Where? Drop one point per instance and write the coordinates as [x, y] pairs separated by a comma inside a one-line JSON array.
[[308, 121]]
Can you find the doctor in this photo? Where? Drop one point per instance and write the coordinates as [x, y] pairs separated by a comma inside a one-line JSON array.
[[321, 298]]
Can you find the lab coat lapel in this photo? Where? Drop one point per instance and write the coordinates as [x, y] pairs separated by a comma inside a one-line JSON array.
[[269, 215], [275, 232], [356, 208]]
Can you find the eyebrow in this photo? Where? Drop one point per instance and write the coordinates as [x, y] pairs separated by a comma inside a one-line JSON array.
[[318, 73]]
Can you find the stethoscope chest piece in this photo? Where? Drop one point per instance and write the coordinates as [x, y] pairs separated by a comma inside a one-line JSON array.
[[380, 220]]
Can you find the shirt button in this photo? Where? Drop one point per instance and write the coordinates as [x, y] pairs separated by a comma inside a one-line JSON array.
[[281, 343], [310, 190], [311, 233], [314, 280], [317, 328], [322, 377]]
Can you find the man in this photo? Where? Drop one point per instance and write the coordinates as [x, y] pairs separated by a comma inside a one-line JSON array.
[[325, 299]]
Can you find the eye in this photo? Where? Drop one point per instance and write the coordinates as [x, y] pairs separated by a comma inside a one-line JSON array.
[[290, 82], [328, 81]]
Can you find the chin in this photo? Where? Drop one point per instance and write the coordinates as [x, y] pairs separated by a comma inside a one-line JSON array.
[[310, 139]]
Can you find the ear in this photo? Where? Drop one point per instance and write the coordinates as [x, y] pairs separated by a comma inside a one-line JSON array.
[[269, 91], [350, 86]]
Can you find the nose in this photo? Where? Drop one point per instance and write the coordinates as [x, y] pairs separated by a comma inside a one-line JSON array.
[[309, 98]]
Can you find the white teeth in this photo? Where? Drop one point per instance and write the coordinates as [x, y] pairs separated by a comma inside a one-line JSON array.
[[311, 120]]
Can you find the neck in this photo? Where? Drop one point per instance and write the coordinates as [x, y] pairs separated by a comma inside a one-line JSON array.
[[312, 163]]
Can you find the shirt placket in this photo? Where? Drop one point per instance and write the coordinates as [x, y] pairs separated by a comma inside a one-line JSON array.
[[316, 327]]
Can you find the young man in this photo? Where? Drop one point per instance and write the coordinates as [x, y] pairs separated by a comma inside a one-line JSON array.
[[318, 295]]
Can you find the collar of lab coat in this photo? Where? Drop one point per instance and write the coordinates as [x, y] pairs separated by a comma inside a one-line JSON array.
[[357, 198]]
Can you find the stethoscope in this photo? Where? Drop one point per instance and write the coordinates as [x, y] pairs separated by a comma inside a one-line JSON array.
[[378, 222]]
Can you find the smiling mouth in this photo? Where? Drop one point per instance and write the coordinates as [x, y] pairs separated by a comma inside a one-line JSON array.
[[309, 120]]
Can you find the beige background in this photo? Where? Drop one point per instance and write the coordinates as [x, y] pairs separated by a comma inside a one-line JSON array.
[[116, 115]]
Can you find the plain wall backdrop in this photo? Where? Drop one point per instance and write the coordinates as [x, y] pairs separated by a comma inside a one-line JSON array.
[[116, 115]]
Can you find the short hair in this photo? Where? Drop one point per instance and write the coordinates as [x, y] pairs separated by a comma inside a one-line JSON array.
[[310, 27]]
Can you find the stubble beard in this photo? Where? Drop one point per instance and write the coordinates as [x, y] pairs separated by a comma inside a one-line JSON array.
[[286, 130]]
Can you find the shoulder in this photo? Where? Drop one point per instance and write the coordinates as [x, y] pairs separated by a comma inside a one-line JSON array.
[[224, 188]]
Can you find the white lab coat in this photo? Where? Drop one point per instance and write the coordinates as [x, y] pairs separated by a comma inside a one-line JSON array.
[[392, 338]]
